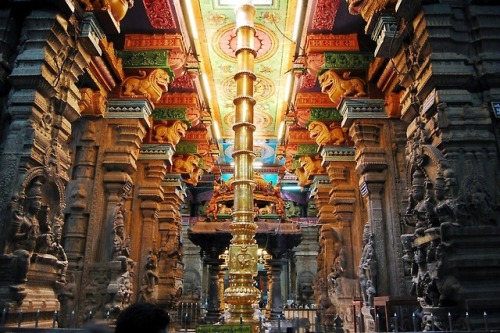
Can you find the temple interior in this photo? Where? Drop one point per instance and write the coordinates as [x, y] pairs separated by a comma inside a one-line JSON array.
[[299, 165]]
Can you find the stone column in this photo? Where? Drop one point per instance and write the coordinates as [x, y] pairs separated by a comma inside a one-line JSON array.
[[213, 295], [40, 103], [152, 170], [171, 252], [127, 121], [275, 295]]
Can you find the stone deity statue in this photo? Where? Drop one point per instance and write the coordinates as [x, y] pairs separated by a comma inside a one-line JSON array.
[[121, 243]]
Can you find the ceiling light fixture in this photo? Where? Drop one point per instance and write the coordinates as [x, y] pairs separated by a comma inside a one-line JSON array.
[[216, 129], [256, 164], [288, 86], [298, 15], [192, 20], [290, 188], [206, 87], [281, 130]]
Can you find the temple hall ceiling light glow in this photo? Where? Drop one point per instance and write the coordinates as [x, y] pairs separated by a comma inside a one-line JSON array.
[[298, 15], [206, 86], [192, 20]]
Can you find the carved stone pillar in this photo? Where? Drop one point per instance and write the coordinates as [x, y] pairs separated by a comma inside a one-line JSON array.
[[213, 296], [151, 173], [40, 108], [127, 122], [275, 296], [305, 255], [171, 268], [342, 279]]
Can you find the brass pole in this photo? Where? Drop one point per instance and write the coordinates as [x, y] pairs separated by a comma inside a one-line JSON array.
[[241, 293]]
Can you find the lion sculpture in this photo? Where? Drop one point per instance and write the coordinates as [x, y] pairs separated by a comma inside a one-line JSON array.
[[311, 166], [170, 134], [194, 176], [268, 209], [292, 209], [185, 164], [152, 85], [337, 88], [222, 209], [369, 8], [302, 177], [320, 133]]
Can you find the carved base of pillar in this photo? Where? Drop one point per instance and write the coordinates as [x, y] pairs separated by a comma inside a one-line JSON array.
[[27, 296], [369, 322]]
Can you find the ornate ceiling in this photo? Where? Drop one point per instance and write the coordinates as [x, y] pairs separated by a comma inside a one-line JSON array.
[[289, 56]]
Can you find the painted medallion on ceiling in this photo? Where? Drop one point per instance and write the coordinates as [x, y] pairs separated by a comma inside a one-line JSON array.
[[265, 43]]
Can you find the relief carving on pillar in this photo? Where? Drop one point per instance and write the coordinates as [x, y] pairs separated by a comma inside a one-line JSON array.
[[367, 269], [121, 267], [326, 276], [149, 283], [34, 239], [92, 102], [438, 202]]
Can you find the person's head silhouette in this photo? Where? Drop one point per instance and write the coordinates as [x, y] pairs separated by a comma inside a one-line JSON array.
[[142, 317]]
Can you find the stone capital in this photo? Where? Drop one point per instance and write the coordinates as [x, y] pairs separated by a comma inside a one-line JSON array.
[[372, 183]]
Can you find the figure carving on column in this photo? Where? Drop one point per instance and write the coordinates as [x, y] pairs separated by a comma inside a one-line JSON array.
[[26, 224], [151, 86], [57, 250], [421, 203], [121, 243], [149, 288], [338, 267], [368, 267], [120, 286], [446, 206]]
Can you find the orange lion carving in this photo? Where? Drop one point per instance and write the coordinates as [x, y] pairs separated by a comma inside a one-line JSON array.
[[337, 88], [170, 134], [185, 164], [151, 86], [194, 176], [319, 132], [311, 166], [302, 177]]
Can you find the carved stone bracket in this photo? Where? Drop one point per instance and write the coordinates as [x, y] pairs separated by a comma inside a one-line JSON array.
[[156, 152], [352, 109], [386, 36], [91, 34], [320, 192], [129, 109]]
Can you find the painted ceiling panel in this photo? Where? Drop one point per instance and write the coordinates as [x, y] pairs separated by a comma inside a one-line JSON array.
[[270, 65]]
